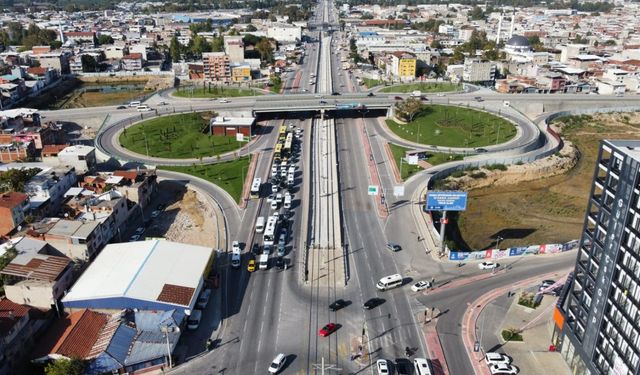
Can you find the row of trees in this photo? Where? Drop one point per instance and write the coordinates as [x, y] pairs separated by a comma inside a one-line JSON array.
[[478, 41], [16, 34]]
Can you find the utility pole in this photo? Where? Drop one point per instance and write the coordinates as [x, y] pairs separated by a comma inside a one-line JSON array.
[[322, 367]]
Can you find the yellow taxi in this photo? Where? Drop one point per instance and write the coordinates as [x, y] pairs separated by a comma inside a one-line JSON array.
[[252, 265]]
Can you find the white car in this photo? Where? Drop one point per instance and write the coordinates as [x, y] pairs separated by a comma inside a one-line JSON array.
[[382, 366], [503, 368], [487, 265], [279, 198], [420, 285], [235, 246], [223, 100], [493, 358], [274, 188]]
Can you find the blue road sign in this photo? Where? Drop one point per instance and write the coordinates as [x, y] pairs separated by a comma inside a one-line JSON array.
[[446, 201]]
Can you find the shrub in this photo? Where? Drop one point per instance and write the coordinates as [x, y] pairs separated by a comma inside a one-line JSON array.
[[528, 300], [478, 175], [511, 334], [457, 174], [500, 167]]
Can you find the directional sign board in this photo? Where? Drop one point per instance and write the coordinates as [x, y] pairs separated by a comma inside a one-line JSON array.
[[372, 190], [398, 191], [446, 201]]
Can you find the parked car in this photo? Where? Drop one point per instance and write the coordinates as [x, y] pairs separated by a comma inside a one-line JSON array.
[[493, 358], [487, 265], [382, 366], [502, 368], [327, 329], [420, 285], [337, 305]]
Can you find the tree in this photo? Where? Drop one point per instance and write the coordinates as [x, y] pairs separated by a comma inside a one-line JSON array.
[[65, 367], [105, 39], [435, 44], [476, 13], [174, 49], [89, 63], [250, 28], [15, 179], [217, 44], [408, 109], [265, 50], [55, 44], [200, 45]]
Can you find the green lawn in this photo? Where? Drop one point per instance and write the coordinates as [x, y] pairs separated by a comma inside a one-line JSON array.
[[406, 170], [433, 158], [228, 175], [213, 92], [450, 126], [424, 87], [372, 82], [177, 136]]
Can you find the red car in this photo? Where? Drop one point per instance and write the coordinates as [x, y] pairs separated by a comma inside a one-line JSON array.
[[328, 329]]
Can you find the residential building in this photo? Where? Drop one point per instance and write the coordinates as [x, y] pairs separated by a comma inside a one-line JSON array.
[[80, 36], [35, 277], [401, 65], [478, 70], [75, 239], [24, 150], [131, 62], [596, 316], [46, 190], [216, 66], [20, 328], [128, 341], [81, 158], [145, 51], [115, 52], [137, 186], [54, 60], [144, 275], [234, 47], [12, 211]]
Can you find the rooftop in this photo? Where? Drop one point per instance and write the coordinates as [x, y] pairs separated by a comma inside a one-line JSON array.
[[12, 199], [154, 271], [80, 150]]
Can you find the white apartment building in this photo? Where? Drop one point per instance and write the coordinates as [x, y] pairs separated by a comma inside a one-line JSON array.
[[283, 32], [478, 70]]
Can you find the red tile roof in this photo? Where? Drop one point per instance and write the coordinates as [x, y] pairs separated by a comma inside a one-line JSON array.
[[177, 294], [132, 56], [79, 34], [37, 70], [10, 314], [12, 199], [45, 268], [72, 336], [52, 149], [129, 175]]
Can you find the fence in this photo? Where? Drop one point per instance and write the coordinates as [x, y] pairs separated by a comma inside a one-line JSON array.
[[513, 251]]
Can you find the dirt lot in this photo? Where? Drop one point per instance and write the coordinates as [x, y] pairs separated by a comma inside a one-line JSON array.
[[546, 209], [189, 217]]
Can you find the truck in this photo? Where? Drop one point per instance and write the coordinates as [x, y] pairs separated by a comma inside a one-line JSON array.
[[416, 94], [263, 261]]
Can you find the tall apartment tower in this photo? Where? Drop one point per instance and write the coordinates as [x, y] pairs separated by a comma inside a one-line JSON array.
[[597, 319]]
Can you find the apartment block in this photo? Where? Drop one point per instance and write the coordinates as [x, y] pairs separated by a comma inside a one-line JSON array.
[[216, 66], [598, 315], [478, 70], [12, 210]]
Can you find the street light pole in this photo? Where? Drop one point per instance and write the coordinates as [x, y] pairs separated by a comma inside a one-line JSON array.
[[166, 330]]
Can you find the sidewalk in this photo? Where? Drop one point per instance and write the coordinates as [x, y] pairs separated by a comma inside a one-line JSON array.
[[383, 211], [516, 317]]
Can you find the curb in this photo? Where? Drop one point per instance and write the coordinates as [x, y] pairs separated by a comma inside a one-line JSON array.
[[394, 165], [244, 198]]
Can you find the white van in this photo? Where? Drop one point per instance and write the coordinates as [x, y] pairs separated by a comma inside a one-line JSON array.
[[421, 366], [389, 282], [193, 321], [143, 108], [260, 224], [277, 363], [134, 103], [287, 201]]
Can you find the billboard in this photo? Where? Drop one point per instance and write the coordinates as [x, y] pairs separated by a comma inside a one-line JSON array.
[[446, 201]]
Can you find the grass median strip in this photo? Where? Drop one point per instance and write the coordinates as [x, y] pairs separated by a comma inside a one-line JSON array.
[[407, 170], [227, 175], [450, 126], [424, 87], [213, 92], [180, 136]]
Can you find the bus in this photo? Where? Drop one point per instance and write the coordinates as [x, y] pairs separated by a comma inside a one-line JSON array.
[[282, 133], [270, 231], [277, 153], [287, 144], [255, 187]]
